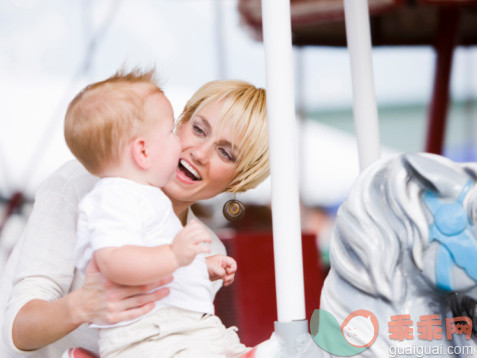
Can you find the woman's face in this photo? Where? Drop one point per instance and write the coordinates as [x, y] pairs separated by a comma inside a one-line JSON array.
[[208, 160]]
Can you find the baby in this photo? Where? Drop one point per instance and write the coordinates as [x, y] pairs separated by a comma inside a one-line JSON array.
[[122, 130]]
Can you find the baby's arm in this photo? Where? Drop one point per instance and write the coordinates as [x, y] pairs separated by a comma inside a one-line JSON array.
[[138, 265]]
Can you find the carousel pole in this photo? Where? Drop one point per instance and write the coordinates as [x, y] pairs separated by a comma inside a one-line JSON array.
[[283, 160], [365, 111], [291, 337]]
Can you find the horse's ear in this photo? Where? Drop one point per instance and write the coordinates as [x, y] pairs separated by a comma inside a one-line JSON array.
[[436, 173]]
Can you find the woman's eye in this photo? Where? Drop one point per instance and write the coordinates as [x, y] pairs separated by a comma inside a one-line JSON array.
[[226, 155], [198, 130]]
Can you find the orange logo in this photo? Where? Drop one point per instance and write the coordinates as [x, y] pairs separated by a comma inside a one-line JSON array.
[[360, 328]]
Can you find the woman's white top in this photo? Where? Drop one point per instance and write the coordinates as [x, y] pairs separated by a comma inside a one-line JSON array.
[[120, 212], [41, 265]]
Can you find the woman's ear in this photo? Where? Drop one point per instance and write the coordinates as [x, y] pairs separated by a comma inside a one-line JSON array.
[[140, 153]]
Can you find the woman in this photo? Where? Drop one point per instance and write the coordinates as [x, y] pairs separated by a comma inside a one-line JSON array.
[[225, 148]]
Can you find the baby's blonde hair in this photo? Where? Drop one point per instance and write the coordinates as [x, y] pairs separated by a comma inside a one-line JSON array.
[[244, 109], [106, 115]]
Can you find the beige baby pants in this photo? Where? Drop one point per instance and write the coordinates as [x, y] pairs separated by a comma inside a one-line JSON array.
[[172, 332]]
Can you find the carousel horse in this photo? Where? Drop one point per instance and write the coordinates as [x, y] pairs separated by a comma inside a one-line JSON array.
[[403, 246], [403, 278]]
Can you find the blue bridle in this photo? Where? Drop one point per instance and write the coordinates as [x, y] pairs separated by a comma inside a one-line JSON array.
[[452, 229]]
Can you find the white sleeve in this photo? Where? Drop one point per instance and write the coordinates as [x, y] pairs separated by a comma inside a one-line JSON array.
[[111, 218], [45, 268], [41, 265]]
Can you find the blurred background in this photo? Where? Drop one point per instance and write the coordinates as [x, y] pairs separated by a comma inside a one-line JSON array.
[[49, 50]]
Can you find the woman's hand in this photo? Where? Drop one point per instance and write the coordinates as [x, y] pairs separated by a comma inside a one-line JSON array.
[[104, 302], [221, 267]]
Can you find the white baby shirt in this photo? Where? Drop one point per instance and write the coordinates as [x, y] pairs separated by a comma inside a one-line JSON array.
[[120, 212]]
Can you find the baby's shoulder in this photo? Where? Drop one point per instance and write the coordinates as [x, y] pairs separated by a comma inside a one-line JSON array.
[[114, 191], [124, 193]]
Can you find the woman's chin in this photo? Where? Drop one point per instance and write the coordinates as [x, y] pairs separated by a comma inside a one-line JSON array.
[[181, 189]]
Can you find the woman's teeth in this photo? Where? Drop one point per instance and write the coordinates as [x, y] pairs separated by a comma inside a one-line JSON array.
[[190, 169]]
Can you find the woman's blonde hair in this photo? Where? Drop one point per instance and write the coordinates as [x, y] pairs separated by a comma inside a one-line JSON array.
[[244, 109], [105, 116]]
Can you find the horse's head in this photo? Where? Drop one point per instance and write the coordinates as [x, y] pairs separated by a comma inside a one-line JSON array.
[[449, 198], [410, 219]]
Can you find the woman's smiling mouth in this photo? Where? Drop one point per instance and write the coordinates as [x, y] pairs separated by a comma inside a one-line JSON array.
[[187, 171]]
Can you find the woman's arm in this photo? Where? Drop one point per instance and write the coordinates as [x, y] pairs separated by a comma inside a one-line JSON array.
[[137, 265], [41, 307], [42, 261], [39, 322]]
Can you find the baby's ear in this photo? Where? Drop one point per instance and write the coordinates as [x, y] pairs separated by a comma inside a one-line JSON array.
[[140, 153]]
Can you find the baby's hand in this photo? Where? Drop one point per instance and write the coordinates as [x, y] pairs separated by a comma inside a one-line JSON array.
[[187, 243], [221, 267]]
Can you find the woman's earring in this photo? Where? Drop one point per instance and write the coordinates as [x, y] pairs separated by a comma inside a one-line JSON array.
[[233, 210]]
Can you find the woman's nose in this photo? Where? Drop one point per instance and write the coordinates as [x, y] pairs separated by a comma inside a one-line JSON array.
[[201, 153]]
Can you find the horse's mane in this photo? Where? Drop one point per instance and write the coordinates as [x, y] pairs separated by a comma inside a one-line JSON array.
[[380, 219]]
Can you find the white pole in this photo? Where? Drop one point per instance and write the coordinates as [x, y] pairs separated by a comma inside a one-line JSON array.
[[283, 157], [219, 30], [364, 102]]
